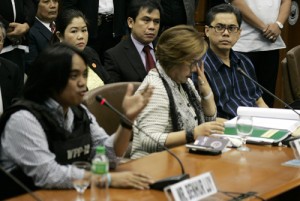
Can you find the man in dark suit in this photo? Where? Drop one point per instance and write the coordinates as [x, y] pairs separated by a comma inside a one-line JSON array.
[[107, 22], [17, 17], [126, 61], [41, 31], [11, 81], [178, 12]]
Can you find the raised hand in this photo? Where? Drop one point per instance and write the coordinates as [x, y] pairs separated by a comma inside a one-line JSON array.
[[134, 104]]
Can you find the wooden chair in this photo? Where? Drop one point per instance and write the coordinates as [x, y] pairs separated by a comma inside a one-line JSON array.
[[114, 93], [291, 75]]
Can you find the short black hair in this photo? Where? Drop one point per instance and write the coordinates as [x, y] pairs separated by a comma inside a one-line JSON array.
[[136, 5], [49, 73], [64, 19], [223, 8]]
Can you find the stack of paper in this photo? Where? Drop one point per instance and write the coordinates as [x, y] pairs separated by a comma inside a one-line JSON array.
[[271, 125], [275, 118]]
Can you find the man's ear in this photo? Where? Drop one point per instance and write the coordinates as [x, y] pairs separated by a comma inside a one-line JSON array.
[[130, 22], [206, 31]]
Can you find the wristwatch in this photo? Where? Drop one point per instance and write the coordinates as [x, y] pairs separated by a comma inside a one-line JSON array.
[[280, 25]]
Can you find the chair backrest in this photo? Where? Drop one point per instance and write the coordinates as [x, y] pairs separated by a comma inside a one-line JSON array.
[[114, 94], [291, 75], [287, 90]]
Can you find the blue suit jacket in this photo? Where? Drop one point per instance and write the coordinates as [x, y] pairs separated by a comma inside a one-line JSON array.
[[39, 38]]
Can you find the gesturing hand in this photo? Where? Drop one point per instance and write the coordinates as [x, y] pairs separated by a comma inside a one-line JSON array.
[[134, 104]]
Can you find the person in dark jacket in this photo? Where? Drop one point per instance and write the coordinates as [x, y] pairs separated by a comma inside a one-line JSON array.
[[48, 128], [17, 17], [72, 28], [11, 81]]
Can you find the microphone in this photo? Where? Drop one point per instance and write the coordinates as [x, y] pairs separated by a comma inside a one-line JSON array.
[[160, 184], [266, 90], [35, 197], [290, 138]]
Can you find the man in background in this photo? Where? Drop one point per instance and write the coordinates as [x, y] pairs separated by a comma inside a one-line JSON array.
[[260, 39], [176, 12], [230, 88], [17, 17], [11, 81], [41, 31], [107, 21], [133, 57]]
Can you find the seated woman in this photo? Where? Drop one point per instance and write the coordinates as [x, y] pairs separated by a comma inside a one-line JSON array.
[[41, 132], [176, 114], [71, 28]]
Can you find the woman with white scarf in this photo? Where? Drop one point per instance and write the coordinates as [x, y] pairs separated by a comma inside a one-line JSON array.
[[176, 113]]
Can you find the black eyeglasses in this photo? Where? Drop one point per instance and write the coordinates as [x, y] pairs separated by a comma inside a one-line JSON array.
[[220, 28]]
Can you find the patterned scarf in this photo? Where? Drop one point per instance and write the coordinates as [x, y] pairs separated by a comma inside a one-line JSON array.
[[181, 115]]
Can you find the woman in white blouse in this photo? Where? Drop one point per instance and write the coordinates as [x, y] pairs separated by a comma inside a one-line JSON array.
[[176, 113]]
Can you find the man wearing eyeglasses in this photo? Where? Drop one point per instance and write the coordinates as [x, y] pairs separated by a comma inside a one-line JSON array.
[[231, 89]]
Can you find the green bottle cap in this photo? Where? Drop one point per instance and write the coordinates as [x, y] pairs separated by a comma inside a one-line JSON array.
[[100, 150]]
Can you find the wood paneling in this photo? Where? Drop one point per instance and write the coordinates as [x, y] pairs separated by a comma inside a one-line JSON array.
[[290, 35], [200, 15]]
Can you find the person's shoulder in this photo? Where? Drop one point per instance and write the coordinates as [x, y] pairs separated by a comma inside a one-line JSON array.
[[22, 115], [123, 43], [90, 53], [88, 50], [153, 79], [8, 64], [242, 57], [153, 75], [36, 27]]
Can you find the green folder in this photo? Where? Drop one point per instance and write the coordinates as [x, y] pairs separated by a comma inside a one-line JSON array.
[[259, 134]]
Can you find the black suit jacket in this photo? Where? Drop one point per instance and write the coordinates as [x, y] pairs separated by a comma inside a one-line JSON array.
[[25, 12], [39, 38], [95, 64], [11, 81], [90, 9], [123, 63]]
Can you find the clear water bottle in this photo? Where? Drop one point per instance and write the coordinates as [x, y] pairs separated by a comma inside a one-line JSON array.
[[99, 183]]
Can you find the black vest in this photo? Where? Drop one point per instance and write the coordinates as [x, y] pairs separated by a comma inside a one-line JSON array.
[[68, 147]]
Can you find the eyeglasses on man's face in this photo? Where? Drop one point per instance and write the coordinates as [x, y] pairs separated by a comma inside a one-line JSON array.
[[220, 28]]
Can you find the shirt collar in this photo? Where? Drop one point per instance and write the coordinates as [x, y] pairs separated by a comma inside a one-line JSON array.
[[218, 63], [46, 24], [58, 111], [139, 46]]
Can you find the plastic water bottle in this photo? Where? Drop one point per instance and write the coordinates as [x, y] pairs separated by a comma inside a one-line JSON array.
[[99, 182]]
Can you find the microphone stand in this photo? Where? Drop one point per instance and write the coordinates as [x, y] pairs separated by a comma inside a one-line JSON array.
[[266, 90], [288, 139], [160, 184], [17, 181]]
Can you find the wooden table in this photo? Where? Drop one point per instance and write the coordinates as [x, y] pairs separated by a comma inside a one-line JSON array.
[[259, 170]]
